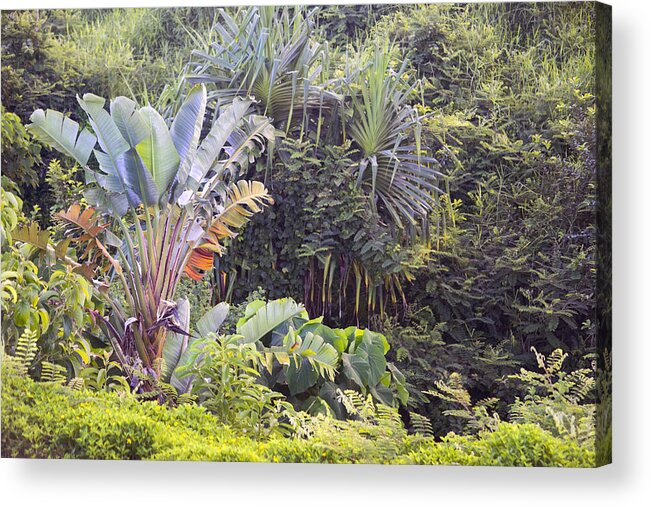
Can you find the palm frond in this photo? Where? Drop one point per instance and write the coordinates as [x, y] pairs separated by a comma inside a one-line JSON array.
[[242, 200], [395, 173]]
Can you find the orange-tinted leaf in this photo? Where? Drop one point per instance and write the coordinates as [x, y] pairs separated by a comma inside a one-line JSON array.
[[200, 261]]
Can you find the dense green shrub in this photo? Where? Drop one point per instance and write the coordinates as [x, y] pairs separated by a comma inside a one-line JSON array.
[[344, 24], [513, 247], [514, 130], [226, 382], [43, 420], [46, 421], [559, 402], [319, 243], [44, 296], [20, 154], [512, 445], [34, 72]]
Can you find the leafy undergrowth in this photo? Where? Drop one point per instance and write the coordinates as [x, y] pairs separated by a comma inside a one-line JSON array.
[[45, 420]]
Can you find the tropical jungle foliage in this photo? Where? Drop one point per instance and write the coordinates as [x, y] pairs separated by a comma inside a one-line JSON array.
[[342, 234]]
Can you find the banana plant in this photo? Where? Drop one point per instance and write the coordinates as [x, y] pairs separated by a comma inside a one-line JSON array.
[[171, 198]]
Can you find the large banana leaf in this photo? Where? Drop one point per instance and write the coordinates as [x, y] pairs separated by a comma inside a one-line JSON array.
[[212, 319], [63, 134], [158, 152], [186, 129], [268, 317], [114, 165], [108, 134], [131, 124], [129, 120], [212, 145]]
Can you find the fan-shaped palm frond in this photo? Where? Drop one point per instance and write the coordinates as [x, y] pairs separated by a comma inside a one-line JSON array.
[[394, 170], [267, 53], [243, 200]]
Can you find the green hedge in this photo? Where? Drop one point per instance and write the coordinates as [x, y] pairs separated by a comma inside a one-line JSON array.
[[47, 421], [523, 445], [41, 420]]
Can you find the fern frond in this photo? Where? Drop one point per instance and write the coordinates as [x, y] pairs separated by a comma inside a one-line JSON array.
[[76, 383], [420, 425], [51, 372], [26, 349]]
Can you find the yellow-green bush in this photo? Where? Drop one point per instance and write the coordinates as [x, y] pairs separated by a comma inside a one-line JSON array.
[[510, 445], [45, 420]]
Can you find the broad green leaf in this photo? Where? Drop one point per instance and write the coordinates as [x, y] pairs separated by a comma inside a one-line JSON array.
[[62, 134], [356, 368], [186, 129], [212, 145], [128, 120], [114, 165], [377, 337], [399, 383], [382, 393], [316, 405], [211, 321], [251, 309], [373, 347], [300, 377], [321, 355], [157, 151], [109, 136], [268, 317], [182, 377], [133, 128], [329, 392], [335, 337], [354, 336]]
